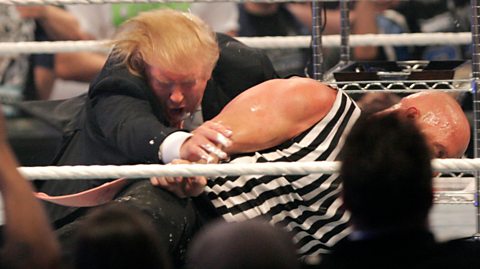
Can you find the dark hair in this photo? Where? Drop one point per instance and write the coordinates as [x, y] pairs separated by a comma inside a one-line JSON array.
[[117, 237], [386, 172], [252, 244]]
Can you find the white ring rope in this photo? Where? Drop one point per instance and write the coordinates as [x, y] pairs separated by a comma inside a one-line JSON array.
[[417, 39], [69, 2], [12, 48], [210, 170]]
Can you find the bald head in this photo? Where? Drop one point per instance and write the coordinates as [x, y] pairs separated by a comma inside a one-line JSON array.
[[440, 118]]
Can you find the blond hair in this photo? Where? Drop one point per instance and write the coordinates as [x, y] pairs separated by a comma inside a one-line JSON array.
[[167, 38]]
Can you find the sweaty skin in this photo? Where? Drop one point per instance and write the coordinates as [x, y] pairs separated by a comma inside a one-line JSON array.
[[274, 111], [440, 118]]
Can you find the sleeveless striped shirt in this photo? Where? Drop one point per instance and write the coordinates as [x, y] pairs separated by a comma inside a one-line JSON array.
[[306, 205]]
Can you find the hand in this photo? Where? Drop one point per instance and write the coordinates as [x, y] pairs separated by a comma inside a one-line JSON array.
[[181, 186], [208, 139]]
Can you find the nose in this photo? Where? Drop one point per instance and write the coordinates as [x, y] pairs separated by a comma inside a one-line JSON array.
[[176, 96]]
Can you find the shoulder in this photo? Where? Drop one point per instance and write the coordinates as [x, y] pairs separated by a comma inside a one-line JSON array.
[[305, 91], [305, 101], [298, 99], [115, 78]]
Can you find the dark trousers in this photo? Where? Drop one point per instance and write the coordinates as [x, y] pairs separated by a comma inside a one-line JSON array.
[[176, 219]]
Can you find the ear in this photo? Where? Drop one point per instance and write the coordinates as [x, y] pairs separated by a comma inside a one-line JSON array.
[[412, 113]]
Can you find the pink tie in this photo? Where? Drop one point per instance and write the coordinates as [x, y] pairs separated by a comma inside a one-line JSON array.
[[92, 197]]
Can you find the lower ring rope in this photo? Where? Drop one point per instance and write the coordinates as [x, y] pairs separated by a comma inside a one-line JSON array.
[[211, 170]]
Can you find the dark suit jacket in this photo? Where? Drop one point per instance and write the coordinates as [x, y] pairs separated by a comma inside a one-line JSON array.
[[121, 122], [407, 249]]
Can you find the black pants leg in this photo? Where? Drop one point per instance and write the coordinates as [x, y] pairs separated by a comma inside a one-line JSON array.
[[176, 219]]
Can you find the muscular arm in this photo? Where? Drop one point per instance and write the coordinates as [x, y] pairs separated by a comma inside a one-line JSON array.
[[275, 111], [262, 117]]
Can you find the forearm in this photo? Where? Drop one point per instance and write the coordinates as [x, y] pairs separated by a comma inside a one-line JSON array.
[[29, 240], [59, 24], [79, 66], [364, 21]]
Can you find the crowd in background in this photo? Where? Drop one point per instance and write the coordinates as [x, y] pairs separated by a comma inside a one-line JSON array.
[[47, 76]]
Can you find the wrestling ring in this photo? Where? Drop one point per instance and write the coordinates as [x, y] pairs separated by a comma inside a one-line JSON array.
[[458, 182]]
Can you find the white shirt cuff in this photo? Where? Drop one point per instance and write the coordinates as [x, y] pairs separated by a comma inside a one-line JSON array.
[[170, 148]]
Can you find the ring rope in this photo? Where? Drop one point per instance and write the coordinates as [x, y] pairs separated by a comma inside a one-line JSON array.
[[69, 2], [418, 39], [210, 170]]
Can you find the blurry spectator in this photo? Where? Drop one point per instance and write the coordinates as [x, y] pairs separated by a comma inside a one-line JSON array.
[[57, 23], [387, 187], [364, 18], [275, 19], [28, 241], [13, 69], [250, 244], [372, 102], [118, 237], [31, 77], [222, 17], [51, 23], [437, 16]]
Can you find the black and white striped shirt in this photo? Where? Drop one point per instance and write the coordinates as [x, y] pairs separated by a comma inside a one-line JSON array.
[[307, 205]]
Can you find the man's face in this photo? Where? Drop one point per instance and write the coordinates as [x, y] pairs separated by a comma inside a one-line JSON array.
[[178, 93], [441, 120], [445, 139]]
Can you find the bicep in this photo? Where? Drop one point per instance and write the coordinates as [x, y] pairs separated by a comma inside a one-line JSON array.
[[263, 120]]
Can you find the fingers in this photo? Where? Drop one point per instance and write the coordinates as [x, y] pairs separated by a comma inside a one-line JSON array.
[[222, 132], [207, 143], [170, 184], [181, 186], [211, 149], [215, 132], [194, 185]]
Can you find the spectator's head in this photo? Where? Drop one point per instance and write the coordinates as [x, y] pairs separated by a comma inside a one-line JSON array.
[[175, 51], [441, 120], [387, 175], [244, 245], [116, 237]]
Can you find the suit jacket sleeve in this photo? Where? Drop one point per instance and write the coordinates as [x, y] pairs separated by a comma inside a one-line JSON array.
[[123, 111]]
